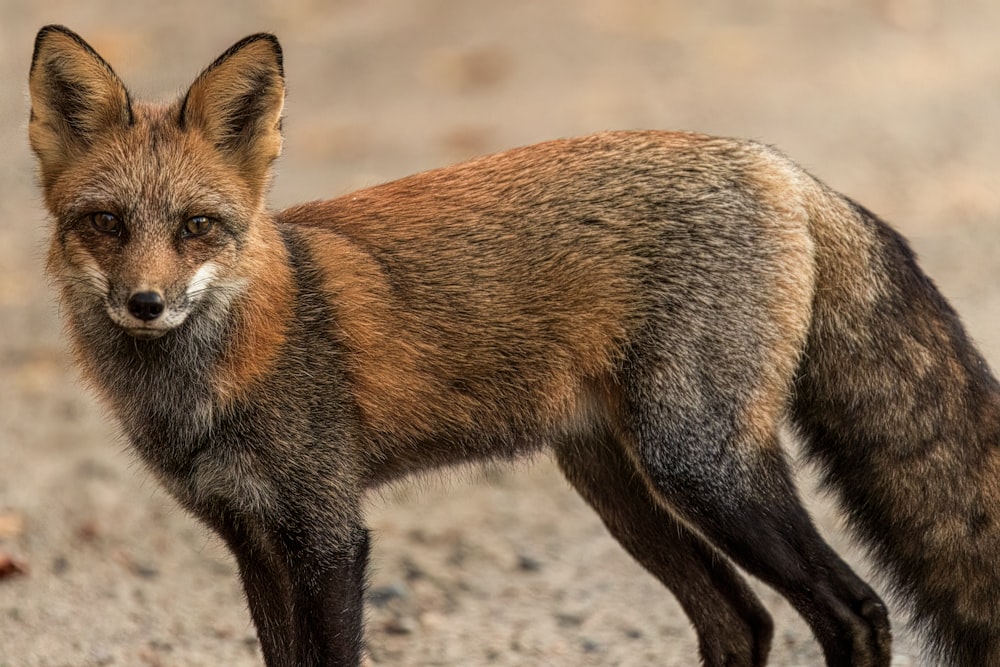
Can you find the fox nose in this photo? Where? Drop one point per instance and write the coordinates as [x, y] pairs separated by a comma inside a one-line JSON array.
[[145, 306]]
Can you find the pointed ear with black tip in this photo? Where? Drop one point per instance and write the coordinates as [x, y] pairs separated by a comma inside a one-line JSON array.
[[236, 104], [75, 98]]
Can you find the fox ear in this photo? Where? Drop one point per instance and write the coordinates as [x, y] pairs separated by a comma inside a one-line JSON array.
[[236, 104], [75, 97]]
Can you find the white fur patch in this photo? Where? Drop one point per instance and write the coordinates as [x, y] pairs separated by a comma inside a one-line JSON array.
[[201, 280]]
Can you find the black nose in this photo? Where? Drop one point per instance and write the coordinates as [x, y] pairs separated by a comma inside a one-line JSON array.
[[145, 306]]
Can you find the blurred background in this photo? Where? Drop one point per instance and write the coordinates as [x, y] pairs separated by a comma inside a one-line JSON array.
[[893, 102]]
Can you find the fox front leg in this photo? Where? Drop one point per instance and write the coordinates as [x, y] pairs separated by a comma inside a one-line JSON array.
[[267, 585], [327, 593], [305, 593]]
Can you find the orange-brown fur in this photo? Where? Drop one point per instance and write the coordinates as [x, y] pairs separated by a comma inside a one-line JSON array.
[[262, 319], [415, 364]]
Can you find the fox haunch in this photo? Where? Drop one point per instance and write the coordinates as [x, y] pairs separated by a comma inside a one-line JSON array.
[[653, 307]]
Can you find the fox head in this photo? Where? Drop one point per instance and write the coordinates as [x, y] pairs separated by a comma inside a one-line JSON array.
[[154, 205]]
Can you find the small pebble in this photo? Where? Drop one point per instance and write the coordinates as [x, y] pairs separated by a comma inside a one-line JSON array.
[[400, 626], [526, 563], [382, 595]]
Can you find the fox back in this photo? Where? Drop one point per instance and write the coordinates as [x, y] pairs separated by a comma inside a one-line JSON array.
[[653, 307]]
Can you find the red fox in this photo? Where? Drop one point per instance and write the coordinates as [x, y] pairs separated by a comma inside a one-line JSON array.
[[652, 307]]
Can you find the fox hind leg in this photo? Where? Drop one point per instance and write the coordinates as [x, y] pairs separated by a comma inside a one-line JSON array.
[[705, 460], [734, 629]]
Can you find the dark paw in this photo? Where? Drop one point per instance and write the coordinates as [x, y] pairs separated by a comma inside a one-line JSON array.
[[874, 611], [740, 649]]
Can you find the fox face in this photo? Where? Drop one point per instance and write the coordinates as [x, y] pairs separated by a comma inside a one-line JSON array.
[[150, 234], [153, 204]]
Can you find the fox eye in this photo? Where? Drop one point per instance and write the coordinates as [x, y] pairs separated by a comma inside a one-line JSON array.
[[106, 223], [197, 225]]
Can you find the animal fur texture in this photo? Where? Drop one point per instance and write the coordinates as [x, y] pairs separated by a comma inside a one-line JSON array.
[[651, 306]]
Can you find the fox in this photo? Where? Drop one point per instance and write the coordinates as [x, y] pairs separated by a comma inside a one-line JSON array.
[[655, 309]]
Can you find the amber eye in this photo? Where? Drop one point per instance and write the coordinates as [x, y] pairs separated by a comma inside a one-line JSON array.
[[106, 223], [197, 225]]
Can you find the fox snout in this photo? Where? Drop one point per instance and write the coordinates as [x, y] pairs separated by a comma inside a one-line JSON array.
[[148, 311]]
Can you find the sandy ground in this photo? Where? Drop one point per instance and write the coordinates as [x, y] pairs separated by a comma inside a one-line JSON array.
[[893, 102]]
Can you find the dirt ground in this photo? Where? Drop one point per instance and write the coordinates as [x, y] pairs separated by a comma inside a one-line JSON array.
[[894, 102]]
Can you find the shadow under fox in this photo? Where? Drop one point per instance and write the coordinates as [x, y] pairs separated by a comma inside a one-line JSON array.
[[651, 306]]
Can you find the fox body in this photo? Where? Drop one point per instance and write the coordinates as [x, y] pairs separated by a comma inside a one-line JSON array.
[[651, 306]]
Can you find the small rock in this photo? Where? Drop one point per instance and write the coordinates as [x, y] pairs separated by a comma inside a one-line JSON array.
[[161, 645], [145, 571], [400, 625], [459, 553], [382, 595], [10, 566], [569, 620], [412, 570], [526, 563], [60, 565], [88, 530]]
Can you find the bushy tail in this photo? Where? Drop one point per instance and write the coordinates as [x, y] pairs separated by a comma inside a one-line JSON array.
[[903, 416]]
